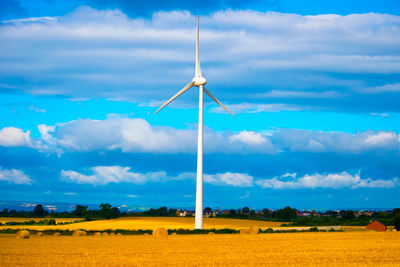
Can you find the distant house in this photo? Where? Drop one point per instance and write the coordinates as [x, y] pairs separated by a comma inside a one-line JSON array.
[[184, 213], [299, 213], [207, 213], [316, 214], [377, 226]]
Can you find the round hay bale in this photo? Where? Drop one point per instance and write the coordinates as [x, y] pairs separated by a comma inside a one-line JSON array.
[[160, 233], [39, 234], [253, 230], [118, 234], [22, 234], [57, 234], [146, 234], [244, 231], [173, 234], [112, 234], [104, 234], [211, 233], [79, 233], [97, 234]]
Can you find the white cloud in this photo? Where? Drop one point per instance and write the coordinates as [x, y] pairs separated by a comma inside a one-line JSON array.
[[14, 176], [249, 138], [70, 193], [382, 139], [383, 115], [102, 175], [13, 137], [338, 142], [257, 108], [229, 178], [297, 94], [386, 88], [239, 48], [137, 135], [326, 180], [110, 174], [36, 109]]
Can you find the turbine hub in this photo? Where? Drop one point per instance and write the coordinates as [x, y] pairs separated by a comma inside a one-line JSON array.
[[199, 80]]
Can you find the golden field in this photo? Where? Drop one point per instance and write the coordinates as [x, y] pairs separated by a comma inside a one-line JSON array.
[[133, 223], [300, 249]]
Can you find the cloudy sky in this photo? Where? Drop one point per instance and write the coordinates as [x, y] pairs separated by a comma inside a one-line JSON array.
[[315, 87]]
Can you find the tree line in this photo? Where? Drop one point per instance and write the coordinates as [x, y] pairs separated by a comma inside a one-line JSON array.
[[287, 214]]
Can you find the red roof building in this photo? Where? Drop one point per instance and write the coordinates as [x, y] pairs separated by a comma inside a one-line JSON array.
[[377, 226]]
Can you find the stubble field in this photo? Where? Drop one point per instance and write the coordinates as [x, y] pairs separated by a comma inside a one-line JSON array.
[[322, 248], [134, 223]]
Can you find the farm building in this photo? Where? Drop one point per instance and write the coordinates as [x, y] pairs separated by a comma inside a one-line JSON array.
[[377, 226]]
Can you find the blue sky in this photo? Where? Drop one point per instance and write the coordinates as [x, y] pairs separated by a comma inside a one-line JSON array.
[[315, 87]]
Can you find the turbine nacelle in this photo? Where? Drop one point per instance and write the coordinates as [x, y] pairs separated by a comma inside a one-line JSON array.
[[199, 80]]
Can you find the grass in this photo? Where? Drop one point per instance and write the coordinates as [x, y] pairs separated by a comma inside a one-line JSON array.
[[16, 219], [325, 249]]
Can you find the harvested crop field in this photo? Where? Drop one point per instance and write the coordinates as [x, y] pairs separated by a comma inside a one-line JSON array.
[[133, 223], [333, 249]]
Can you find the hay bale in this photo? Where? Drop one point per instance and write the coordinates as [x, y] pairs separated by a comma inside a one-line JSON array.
[[104, 234], [22, 234], [160, 233], [146, 234], [112, 234], [97, 234], [57, 234], [173, 234], [118, 234], [39, 234], [79, 233], [253, 230], [244, 231], [211, 233]]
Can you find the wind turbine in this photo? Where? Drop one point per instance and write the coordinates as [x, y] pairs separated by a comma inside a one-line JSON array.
[[198, 81]]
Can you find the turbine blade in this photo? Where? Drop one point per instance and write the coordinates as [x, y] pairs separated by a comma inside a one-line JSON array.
[[216, 100], [184, 89], [198, 69]]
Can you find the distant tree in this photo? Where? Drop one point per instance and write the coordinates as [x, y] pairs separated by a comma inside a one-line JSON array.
[[396, 211], [396, 221], [80, 210], [267, 213], [232, 213], [163, 211], [332, 213], [172, 212], [207, 209], [286, 214], [347, 214], [246, 210], [115, 213], [39, 211], [383, 215], [105, 211], [252, 213]]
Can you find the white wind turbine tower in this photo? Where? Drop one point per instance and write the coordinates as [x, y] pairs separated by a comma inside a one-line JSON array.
[[198, 81]]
